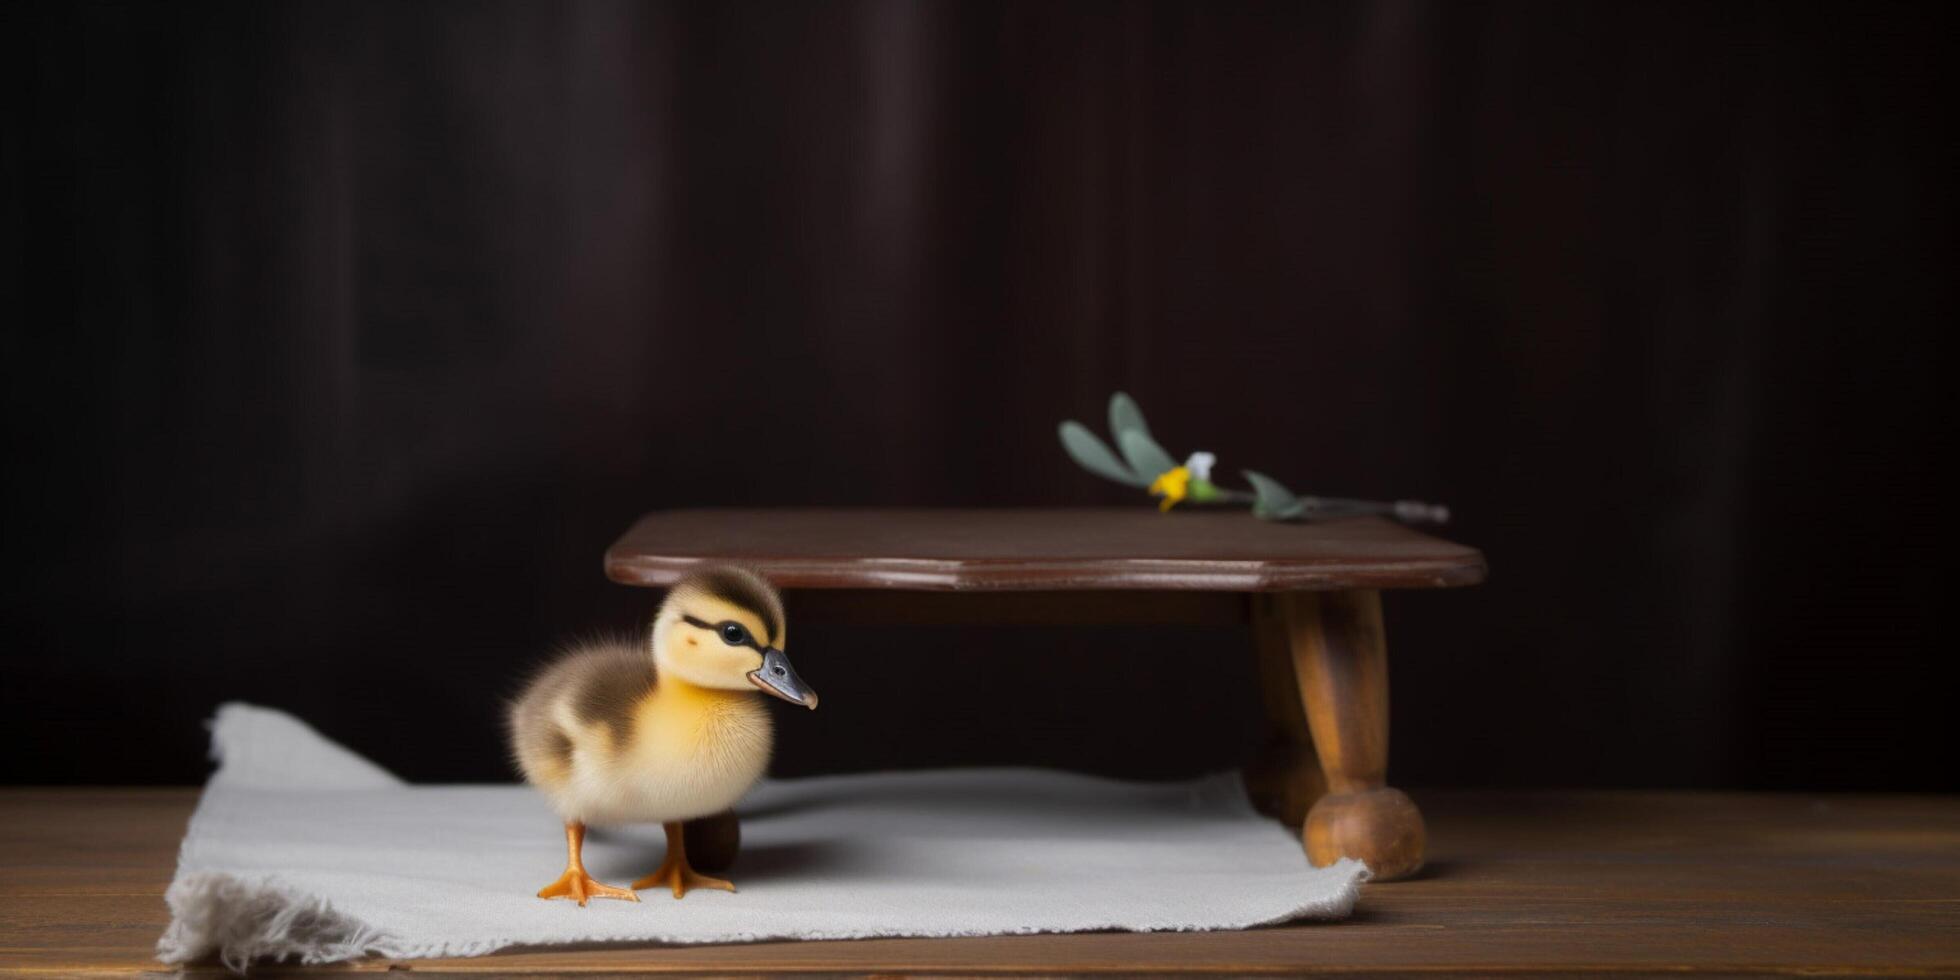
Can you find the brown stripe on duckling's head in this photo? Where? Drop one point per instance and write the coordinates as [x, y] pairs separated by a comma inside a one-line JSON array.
[[742, 588]]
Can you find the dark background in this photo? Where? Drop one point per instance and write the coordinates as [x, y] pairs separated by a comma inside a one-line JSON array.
[[342, 338]]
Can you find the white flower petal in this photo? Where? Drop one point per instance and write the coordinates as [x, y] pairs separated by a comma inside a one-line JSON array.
[[1200, 465]]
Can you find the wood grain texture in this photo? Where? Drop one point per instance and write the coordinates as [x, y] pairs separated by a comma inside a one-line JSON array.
[[1594, 883], [1285, 779], [1036, 549], [885, 607], [1340, 655]]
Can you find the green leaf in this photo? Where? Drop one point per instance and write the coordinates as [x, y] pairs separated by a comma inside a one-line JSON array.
[[1091, 454], [1274, 502], [1132, 435], [1125, 416], [1146, 457]]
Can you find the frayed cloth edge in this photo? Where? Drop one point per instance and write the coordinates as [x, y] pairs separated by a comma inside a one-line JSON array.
[[246, 922]]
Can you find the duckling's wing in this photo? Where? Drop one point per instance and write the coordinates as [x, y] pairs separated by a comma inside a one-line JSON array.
[[584, 698]]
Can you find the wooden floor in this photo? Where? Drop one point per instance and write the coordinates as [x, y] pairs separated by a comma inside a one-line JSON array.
[[1628, 883]]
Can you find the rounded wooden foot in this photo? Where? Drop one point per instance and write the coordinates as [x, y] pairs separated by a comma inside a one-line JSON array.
[[1382, 827], [713, 842]]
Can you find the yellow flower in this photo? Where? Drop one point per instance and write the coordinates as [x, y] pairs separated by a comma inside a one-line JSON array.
[[1172, 485]]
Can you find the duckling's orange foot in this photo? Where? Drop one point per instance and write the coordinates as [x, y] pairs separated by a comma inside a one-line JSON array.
[[578, 886], [674, 871], [682, 879]]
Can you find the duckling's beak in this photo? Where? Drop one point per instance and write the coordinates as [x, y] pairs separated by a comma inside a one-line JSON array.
[[777, 677]]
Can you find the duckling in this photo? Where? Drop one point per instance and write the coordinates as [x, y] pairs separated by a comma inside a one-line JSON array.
[[661, 731]]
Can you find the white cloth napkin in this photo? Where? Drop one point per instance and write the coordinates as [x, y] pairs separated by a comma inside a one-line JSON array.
[[301, 849]]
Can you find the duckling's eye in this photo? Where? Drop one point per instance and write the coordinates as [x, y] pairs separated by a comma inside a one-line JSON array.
[[733, 634]]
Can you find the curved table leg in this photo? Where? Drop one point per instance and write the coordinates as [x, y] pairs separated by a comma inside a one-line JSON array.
[[712, 842], [1342, 662], [1284, 780]]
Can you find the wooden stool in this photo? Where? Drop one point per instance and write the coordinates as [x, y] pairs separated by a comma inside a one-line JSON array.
[[1311, 592]]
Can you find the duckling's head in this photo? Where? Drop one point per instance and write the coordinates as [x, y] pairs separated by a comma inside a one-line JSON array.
[[723, 628]]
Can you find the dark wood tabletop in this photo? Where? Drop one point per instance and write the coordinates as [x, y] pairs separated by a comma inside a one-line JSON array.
[[1040, 549], [1520, 883]]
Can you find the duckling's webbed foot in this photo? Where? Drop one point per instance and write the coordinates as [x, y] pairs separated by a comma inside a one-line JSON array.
[[578, 886], [575, 884], [675, 873]]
